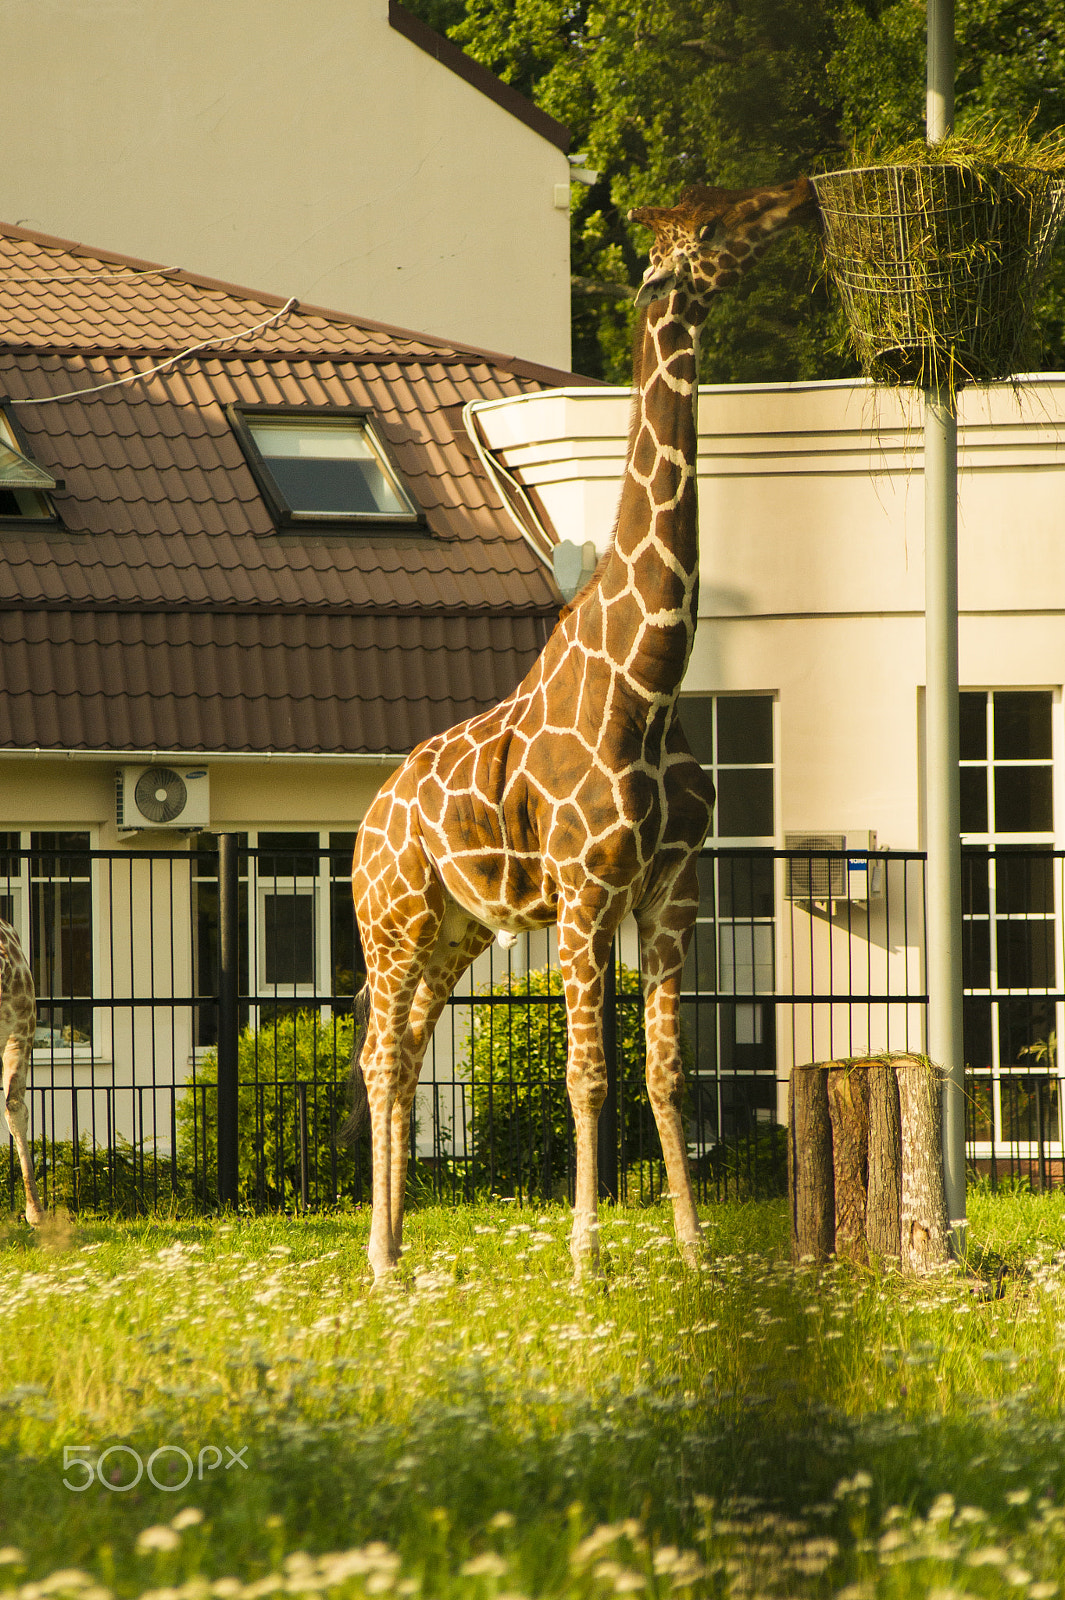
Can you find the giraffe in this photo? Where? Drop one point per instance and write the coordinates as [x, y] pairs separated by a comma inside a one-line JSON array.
[[18, 1024], [575, 801]]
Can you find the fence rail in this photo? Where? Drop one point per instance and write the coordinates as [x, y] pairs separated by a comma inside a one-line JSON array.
[[195, 1027]]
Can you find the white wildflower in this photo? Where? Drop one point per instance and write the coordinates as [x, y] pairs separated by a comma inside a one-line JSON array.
[[187, 1518], [157, 1538], [488, 1565]]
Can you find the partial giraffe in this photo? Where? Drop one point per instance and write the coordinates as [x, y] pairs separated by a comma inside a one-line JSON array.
[[18, 1024], [576, 801]]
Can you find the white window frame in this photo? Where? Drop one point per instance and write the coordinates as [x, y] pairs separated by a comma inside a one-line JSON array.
[[999, 1145]]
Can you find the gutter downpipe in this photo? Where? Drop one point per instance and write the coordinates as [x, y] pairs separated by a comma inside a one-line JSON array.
[[508, 487]]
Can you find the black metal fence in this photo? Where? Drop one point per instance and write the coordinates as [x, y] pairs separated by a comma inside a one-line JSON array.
[[195, 1026]]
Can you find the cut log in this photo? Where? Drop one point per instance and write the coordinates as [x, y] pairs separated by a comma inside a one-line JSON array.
[[882, 1207], [810, 1177], [848, 1110], [922, 1205]]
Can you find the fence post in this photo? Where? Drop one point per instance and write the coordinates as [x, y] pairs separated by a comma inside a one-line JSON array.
[[305, 1186], [608, 1116], [228, 1019]]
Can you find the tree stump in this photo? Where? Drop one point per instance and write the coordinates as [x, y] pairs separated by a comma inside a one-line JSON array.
[[865, 1161]]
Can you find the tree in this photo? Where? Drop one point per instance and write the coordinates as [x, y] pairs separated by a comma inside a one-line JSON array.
[[663, 93]]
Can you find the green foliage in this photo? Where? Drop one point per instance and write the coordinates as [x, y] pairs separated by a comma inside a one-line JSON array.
[[521, 1122], [125, 1181], [663, 93], [296, 1047], [746, 1169]]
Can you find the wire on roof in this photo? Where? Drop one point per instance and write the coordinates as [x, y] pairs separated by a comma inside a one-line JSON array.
[[161, 366]]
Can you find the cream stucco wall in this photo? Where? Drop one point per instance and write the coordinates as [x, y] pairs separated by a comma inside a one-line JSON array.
[[301, 147], [812, 562]]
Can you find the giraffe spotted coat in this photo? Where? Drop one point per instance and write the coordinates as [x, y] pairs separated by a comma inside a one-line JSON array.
[[576, 801], [18, 1024]]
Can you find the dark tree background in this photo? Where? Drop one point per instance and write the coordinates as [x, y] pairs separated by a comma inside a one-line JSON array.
[[662, 93]]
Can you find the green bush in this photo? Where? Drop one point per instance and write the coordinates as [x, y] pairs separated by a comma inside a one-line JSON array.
[[521, 1136], [754, 1168], [295, 1047], [126, 1180]]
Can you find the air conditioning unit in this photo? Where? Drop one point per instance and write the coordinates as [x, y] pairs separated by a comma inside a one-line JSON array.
[[821, 877], [162, 797]]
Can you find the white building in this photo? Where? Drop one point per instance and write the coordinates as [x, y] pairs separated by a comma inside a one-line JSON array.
[[335, 150], [809, 665]]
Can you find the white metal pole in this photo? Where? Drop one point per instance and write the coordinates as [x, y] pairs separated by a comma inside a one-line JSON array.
[[942, 794]]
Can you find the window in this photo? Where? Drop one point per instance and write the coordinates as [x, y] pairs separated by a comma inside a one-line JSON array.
[[1010, 920], [324, 468], [297, 939], [731, 955], [24, 486], [46, 893], [731, 736]]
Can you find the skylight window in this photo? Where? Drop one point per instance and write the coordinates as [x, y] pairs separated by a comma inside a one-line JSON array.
[[24, 485], [324, 468]]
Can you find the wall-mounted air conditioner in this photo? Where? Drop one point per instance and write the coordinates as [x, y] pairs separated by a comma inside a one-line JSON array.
[[162, 797], [822, 877]]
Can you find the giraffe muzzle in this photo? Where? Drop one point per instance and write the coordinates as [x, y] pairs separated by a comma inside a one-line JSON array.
[[658, 283]]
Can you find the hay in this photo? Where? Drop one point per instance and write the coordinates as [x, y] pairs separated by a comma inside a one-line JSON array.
[[938, 256]]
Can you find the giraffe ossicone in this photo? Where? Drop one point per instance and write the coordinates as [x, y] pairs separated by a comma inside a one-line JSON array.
[[18, 1026], [576, 801]]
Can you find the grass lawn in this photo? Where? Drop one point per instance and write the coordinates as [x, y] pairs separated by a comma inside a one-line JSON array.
[[481, 1429]]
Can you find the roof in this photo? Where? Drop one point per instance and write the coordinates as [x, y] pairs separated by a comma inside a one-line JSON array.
[[166, 611]]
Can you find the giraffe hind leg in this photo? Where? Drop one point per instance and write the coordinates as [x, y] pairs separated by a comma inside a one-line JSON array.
[[16, 1061], [460, 941]]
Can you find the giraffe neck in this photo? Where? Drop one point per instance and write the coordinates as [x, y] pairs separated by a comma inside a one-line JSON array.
[[651, 581]]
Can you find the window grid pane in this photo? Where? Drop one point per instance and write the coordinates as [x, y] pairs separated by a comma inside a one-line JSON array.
[[1010, 922]]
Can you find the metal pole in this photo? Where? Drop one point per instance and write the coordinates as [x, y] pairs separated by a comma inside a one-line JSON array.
[[942, 798], [942, 793], [939, 93], [228, 1021]]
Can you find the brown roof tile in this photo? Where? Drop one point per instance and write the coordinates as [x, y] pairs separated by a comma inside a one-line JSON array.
[[87, 680], [166, 611]]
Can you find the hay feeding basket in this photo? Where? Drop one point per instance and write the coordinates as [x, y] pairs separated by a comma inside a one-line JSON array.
[[938, 264]]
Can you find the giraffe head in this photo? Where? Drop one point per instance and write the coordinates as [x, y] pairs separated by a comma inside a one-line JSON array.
[[711, 237]]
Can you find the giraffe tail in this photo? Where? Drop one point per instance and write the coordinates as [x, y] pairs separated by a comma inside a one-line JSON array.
[[358, 1104]]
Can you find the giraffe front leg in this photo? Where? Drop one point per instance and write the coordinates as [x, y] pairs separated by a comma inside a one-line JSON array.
[[665, 1087], [381, 1249], [16, 1062], [379, 1075], [400, 1165], [586, 1084]]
